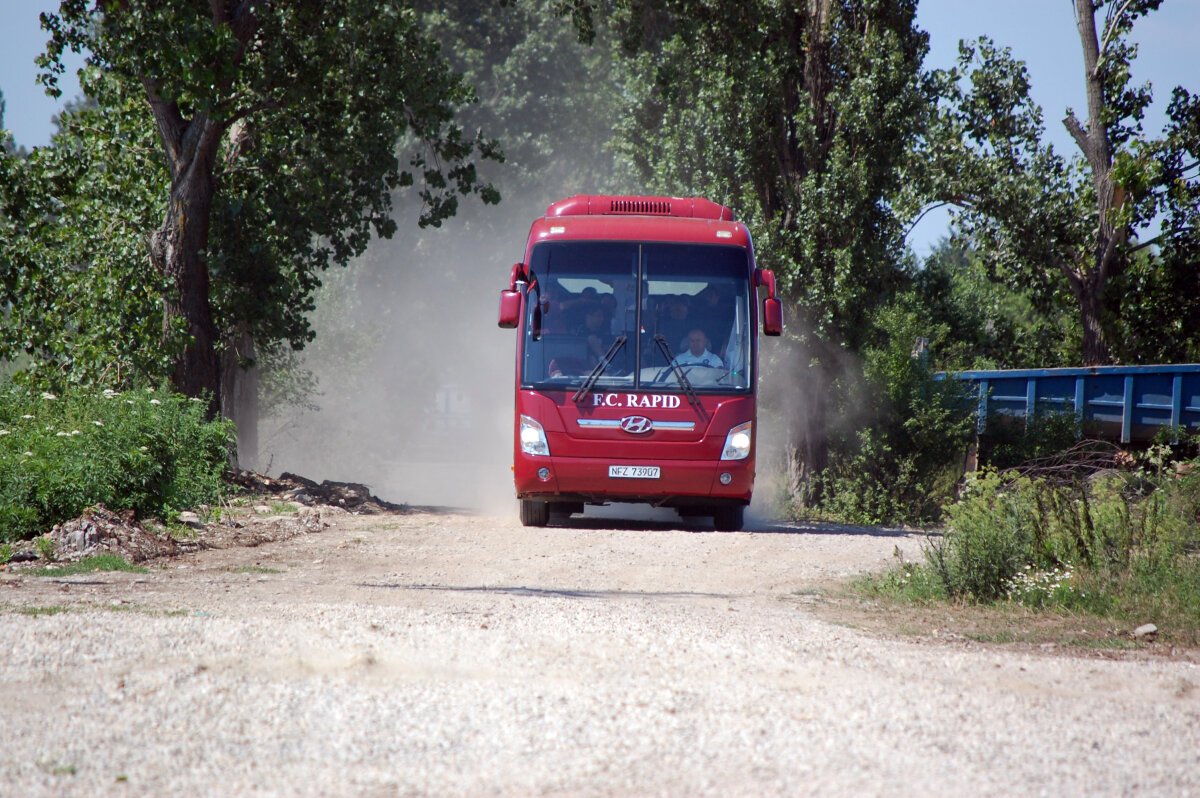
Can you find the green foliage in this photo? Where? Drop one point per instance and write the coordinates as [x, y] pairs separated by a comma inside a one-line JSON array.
[[798, 119], [276, 127], [990, 325], [83, 307], [92, 564], [905, 464], [989, 540], [1117, 542], [1076, 229], [46, 548], [549, 100], [1010, 443], [147, 451]]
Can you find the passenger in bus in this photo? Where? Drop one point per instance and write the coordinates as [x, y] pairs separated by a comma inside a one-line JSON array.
[[697, 352], [714, 313], [674, 322], [609, 303], [596, 330], [554, 308]]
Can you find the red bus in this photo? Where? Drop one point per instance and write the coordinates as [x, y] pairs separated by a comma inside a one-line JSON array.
[[637, 356]]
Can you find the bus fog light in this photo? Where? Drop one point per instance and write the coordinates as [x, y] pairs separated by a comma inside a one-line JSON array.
[[726, 478], [737, 442], [544, 474]]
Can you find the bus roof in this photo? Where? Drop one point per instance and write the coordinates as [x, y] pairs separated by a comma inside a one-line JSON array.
[[642, 218], [608, 205]]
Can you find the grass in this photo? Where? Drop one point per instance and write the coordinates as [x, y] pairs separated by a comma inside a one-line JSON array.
[[97, 562], [1119, 544], [35, 611], [870, 604], [254, 569]]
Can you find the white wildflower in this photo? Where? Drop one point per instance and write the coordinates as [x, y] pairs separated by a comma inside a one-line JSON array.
[[50, 396], [61, 434], [28, 454], [98, 423], [27, 416], [155, 402], [76, 432], [3, 432]]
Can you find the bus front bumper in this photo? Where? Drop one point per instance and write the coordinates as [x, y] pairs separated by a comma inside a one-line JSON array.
[[679, 482]]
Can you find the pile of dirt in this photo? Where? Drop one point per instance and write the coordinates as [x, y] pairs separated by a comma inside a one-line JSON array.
[[266, 510], [352, 496]]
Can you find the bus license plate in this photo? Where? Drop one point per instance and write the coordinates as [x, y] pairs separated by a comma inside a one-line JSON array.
[[633, 472]]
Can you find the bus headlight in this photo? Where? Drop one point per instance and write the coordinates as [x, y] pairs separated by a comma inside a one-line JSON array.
[[737, 442], [533, 437]]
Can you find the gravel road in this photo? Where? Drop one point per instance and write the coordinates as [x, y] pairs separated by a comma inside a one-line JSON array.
[[446, 654]]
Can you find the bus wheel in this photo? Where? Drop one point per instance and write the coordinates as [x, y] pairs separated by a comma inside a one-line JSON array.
[[534, 513], [729, 519]]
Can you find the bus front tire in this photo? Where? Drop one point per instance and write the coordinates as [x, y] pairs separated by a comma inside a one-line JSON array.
[[534, 513], [729, 519]]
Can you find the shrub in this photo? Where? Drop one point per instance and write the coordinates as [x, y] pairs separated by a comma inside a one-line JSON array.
[[147, 451], [1010, 442], [1113, 540], [990, 538], [906, 464]]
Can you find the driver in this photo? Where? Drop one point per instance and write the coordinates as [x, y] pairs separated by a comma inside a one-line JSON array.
[[697, 352]]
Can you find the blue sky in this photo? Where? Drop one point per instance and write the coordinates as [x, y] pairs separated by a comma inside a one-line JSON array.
[[1040, 32]]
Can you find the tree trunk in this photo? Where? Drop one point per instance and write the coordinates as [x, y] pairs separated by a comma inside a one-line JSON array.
[[177, 250], [1091, 308], [1088, 282], [239, 397]]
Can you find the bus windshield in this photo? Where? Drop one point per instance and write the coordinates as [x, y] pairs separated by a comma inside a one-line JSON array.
[[626, 315]]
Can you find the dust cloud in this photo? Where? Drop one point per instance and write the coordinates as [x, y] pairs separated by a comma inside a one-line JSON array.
[[414, 380], [807, 387]]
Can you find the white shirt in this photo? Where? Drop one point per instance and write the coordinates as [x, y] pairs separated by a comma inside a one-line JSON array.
[[705, 359]]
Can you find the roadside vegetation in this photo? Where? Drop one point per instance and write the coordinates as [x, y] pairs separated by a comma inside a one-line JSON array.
[[148, 451], [1092, 531], [88, 565]]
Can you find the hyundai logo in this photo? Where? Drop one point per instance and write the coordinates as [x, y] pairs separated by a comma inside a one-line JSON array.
[[636, 424]]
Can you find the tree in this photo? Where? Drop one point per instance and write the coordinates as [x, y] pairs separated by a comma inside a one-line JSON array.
[[549, 100], [6, 139], [799, 116], [81, 308], [279, 125], [1043, 222], [989, 325]]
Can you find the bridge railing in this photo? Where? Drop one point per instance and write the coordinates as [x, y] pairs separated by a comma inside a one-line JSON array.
[[1120, 403]]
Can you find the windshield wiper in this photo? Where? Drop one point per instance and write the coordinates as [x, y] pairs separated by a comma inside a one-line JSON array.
[[684, 382], [586, 388]]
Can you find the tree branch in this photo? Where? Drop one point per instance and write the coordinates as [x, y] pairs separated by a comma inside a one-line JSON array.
[[929, 208], [1149, 243], [1077, 132], [1109, 28]]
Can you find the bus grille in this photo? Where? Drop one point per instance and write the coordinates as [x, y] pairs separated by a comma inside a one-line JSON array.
[[640, 206]]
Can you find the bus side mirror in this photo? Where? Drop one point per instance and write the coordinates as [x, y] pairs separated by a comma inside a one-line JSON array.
[[510, 308], [772, 316], [510, 298]]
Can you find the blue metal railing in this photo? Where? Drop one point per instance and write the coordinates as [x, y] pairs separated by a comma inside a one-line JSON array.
[[1122, 403]]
